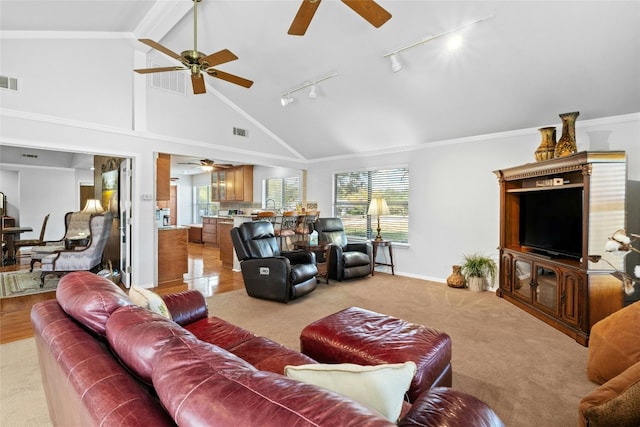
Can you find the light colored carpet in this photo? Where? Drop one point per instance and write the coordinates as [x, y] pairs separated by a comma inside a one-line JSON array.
[[22, 400], [529, 373], [23, 282]]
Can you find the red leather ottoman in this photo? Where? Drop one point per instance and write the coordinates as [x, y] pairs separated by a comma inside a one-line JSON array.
[[363, 337]]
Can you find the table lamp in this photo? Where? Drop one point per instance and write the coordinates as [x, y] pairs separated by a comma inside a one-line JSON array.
[[93, 206], [378, 207]]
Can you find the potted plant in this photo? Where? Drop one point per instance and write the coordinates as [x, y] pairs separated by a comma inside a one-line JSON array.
[[477, 268]]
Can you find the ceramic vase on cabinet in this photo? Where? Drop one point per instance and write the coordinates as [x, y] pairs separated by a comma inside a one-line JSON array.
[[547, 147], [456, 279], [566, 145]]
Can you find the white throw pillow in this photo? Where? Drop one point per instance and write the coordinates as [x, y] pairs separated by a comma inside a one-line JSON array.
[[380, 387], [149, 300]]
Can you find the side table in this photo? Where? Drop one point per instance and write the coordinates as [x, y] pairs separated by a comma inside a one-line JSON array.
[[323, 267], [382, 243]]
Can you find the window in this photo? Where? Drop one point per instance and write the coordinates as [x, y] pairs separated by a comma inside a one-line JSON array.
[[202, 204], [353, 194], [285, 193]]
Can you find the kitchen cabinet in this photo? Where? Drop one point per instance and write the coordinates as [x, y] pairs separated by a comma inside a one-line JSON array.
[[226, 245], [210, 231], [233, 184], [195, 233], [173, 253], [240, 184], [163, 177]]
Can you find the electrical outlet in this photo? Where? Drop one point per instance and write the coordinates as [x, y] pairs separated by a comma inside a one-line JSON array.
[[264, 271]]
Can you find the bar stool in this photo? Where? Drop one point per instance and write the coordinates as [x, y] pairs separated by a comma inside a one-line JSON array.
[[285, 228]]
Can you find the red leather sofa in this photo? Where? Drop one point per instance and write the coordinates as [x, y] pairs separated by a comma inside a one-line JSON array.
[[107, 362]]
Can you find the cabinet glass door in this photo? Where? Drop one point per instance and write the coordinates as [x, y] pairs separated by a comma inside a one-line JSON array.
[[215, 195], [546, 293], [522, 279], [222, 186]]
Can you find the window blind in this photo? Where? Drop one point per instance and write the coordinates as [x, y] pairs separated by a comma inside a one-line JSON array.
[[352, 196]]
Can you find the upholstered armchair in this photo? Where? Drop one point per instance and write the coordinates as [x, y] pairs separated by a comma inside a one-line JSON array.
[[614, 364], [347, 260], [267, 272], [80, 258], [76, 224]]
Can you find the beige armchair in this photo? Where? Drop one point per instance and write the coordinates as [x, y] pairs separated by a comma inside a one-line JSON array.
[[78, 258], [75, 223]]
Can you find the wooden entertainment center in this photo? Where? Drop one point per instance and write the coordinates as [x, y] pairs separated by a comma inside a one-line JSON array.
[[568, 292]]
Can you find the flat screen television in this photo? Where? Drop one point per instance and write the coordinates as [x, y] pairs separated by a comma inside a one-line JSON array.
[[551, 221]]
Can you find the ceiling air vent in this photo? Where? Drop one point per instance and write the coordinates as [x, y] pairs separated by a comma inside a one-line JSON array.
[[172, 82], [240, 132], [8, 83]]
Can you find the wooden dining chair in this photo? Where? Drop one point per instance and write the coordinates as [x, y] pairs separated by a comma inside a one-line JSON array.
[[17, 244]]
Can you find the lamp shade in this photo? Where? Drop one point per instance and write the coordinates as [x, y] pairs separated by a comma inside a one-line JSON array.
[[378, 207], [93, 206]]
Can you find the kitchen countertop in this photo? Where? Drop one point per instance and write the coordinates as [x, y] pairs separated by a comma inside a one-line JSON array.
[[173, 227], [230, 216]]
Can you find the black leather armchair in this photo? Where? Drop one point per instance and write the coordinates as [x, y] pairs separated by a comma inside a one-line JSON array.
[[267, 272], [347, 260]]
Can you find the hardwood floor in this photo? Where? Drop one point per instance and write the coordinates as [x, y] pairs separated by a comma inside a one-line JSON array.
[[206, 274]]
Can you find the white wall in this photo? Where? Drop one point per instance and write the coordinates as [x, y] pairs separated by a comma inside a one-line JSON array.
[[10, 186], [454, 204], [184, 195], [92, 77], [42, 191]]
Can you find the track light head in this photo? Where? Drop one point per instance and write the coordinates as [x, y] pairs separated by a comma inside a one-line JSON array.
[[395, 63], [286, 100], [313, 94]]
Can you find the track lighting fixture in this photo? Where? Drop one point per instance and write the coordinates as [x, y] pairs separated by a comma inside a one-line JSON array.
[[287, 99], [454, 42], [312, 92], [395, 63]]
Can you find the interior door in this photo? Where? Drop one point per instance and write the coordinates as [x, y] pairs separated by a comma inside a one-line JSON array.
[[125, 221]]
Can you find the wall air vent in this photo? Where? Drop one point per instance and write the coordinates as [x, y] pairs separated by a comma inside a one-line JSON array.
[[240, 132], [30, 156], [8, 83], [171, 81]]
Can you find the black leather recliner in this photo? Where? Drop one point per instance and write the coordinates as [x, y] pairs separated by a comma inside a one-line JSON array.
[[347, 260], [267, 272]]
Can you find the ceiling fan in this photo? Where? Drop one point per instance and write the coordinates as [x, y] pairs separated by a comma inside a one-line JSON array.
[[208, 165], [197, 62], [375, 14]]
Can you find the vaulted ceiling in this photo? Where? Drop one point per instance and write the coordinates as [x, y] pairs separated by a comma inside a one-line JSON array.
[[531, 61]]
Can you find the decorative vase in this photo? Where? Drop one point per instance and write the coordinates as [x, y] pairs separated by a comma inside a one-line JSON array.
[[477, 284], [566, 145], [547, 147], [456, 279]]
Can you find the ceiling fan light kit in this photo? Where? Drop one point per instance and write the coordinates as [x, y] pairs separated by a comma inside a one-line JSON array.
[[287, 99], [454, 42], [207, 165]]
